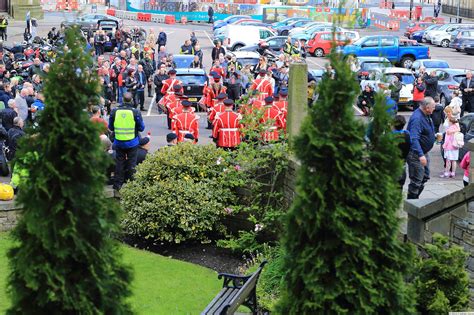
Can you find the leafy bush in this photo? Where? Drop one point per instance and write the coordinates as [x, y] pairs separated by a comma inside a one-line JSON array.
[[441, 282], [179, 193]]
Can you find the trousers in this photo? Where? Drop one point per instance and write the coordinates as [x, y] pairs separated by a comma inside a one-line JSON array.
[[418, 175], [126, 161]]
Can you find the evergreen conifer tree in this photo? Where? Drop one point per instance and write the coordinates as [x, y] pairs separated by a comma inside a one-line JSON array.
[[342, 253], [65, 261]]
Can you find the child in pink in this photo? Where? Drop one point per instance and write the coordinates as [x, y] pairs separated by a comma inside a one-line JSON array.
[[466, 161], [451, 153]]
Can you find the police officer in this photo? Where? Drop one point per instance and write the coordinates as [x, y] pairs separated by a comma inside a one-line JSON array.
[[3, 28], [288, 47], [126, 122]]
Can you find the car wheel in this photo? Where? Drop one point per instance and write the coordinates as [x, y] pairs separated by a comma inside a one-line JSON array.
[[407, 62], [319, 52], [442, 100], [237, 47], [458, 50], [445, 43]]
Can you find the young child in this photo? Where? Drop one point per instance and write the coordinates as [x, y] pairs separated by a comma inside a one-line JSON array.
[[455, 105], [451, 153], [466, 161], [437, 115]]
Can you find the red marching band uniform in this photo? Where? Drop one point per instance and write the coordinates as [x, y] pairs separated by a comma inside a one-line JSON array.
[[186, 122], [273, 119], [227, 126], [262, 86], [212, 91], [168, 88]]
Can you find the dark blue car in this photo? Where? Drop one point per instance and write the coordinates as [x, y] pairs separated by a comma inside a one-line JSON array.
[[418, 35], [285, 30]]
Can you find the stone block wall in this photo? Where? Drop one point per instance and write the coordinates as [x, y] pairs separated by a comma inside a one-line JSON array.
[[8, 215]]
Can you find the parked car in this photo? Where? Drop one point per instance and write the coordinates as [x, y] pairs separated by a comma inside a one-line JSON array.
[[386, 75], [284, 30], [398, 51], [418, 35], [444, 39], [275, 44], [240, 35], [469, 46], [194, 81], [364, 66], [258, 23], [352, 35], [459, 36], [229, 20], [322, 42], [415, 27], [246, 57], [448, 81], [442, 32], [289, 21], [429, 64], [309, 33], [307, 26], [109, 26], [88, 21]]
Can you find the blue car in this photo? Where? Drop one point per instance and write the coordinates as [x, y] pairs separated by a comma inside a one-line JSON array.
[[285, 30], [229, 20], [418, 35], [287, 21]]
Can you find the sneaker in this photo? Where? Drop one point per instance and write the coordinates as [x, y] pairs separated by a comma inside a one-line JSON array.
[[445, 175], [452, 175]]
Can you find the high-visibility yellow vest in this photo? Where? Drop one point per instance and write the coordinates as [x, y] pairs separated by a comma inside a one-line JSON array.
[[124, 125], [3, 24]]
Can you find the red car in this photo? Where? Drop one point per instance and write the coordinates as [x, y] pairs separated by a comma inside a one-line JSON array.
[[321, 43], [415, 27]]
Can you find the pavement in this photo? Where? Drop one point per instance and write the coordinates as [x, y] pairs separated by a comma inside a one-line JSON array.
[[177, 33]]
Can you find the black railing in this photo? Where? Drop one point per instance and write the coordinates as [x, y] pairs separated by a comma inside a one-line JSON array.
[[453, 10]]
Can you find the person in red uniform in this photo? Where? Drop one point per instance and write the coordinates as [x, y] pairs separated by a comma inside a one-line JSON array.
[[272, 120], [171, 105], [227, 126], [262, 85], [282, 104], [213, 90], [170, 97], [186, 122], [169, 83], [218, 107]]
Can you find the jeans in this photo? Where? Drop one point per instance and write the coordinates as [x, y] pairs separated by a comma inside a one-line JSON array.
[[418, 174], [140, 98], [126, 160], [121, 91]]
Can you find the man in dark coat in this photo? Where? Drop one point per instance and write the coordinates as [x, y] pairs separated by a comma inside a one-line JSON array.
[[431, 82], [162, 38], [210, 13], [467, 89]]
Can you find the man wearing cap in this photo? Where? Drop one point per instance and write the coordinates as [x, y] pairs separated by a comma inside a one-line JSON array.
[[272, 121], [227, 125], [126, 122], [262, 85], [186, 122], [178, 108], [219, 107], [171, 139], [169, 83], [143, 148], [213, 91], [177, 88]]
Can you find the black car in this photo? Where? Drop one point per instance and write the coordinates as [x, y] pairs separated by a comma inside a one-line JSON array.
[[275, 44], [194, 81]]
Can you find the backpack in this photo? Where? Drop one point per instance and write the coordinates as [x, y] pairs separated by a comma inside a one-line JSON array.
[[458, 141]]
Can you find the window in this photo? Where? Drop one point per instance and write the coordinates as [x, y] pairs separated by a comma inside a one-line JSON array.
[[371, 42], [442, 75], [325, 37], [388, 41], [436, 64], [264, 34]]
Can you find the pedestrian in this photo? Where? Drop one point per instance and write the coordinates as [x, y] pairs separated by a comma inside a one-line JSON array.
[[3, 28], [21, 104], [431, 82], [438, 114], [131, 85], [8, 114], [126, 122], [158, 79], [418, 92], [227, 125], [450, 145], [193, 39], [14, 135], [217, 50], [196, 63], [198, 52], [210, 13], [141, 79], [467, 89], [234, 85], [162, 38], [99, 41], [366, 100], [187, 48], [262, 85], [395, 89], [421, 129], [147, 65], [465, 164], [143, 149], [456, 105], [186, 122], [404, 141]]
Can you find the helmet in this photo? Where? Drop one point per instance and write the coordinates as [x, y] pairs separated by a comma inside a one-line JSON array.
[[6, 192]]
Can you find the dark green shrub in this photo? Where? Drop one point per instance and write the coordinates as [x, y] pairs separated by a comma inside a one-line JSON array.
[[441, 281], [179, 193]]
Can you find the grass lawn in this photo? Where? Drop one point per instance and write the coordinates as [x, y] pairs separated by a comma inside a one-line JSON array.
[[161, 285]]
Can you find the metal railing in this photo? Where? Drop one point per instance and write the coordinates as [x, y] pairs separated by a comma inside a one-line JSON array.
[[453, 10]]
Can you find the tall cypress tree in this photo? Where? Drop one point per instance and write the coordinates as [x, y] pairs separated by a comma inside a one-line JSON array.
[[64, 261], [342, 253]]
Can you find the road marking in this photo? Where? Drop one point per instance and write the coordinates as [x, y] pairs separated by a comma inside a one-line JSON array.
[[212, 43], [314, 63], [151, 105]]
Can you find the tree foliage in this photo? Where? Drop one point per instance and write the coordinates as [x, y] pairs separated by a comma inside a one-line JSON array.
[[441, 281], [342, 254], [64, 261]]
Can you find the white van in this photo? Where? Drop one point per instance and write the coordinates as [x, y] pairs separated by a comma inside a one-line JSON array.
[[238, 36]]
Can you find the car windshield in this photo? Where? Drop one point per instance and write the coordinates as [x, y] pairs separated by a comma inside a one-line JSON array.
[[374, 65], [406, 78], [436, 64], [248, 61], [183, 61], [359, 41], [459, 78], [433, 27], [192, 79]]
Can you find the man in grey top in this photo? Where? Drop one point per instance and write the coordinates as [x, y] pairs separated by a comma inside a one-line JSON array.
[[21, 104]]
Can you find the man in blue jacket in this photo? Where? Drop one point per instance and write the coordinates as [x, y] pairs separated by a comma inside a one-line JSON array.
[[422, 134], [126, 122]]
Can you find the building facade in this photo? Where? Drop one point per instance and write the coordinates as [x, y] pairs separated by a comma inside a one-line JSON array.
[[466, 8]]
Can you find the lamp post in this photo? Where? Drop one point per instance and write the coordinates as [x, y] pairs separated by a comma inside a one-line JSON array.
[[457, 14], [411, 9]]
